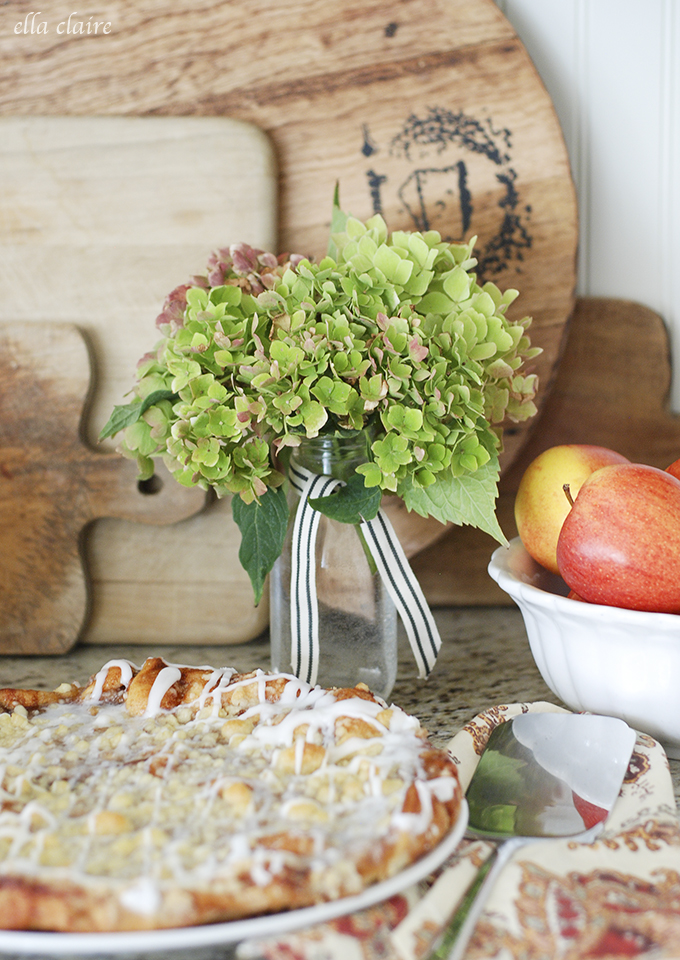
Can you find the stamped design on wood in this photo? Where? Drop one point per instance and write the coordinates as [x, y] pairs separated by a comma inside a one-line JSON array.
[[439, 163]]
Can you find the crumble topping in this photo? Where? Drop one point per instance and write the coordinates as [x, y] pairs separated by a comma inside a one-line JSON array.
[[170, 795]]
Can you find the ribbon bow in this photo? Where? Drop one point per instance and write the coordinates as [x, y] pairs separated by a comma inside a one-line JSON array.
[[392, 565]]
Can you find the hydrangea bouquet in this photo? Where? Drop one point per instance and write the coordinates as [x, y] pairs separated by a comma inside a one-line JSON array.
[[390, 331]]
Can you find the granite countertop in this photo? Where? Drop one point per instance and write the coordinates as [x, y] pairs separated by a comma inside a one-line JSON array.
[[485, 660]]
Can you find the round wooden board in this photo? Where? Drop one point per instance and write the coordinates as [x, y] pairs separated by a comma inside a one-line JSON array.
[[428, 111]]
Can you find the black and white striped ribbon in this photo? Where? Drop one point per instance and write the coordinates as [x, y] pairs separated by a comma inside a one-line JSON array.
[[390, 560]]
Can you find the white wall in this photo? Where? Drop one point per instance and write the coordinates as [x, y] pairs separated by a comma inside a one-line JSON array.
[[612, 68]]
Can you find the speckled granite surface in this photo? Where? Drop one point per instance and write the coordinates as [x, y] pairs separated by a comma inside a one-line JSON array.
[[485, 660]]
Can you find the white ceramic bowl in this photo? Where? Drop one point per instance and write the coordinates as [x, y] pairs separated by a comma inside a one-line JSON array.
[[622, 663]]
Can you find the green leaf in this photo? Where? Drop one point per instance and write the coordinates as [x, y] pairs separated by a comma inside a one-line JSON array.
[[468, 499], [435, 302], [457, 284], [352, 503], [125, 415], [392, 266], [263, 528], [228, 294]]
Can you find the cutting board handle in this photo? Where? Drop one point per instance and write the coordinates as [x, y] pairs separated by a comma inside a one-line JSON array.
[[114, 490], [52, 485]]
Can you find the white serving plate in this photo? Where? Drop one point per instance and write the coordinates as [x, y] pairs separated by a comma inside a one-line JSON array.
[[209, 940]]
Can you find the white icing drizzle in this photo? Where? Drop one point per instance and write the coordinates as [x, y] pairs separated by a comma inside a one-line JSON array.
[[36, 809], [293, 689], [375, 781], [317, 708], [443, 788], [216, 684], [419, 821], [164, 680], [240, 847], [142, 897], [126, 668], [180, 810], [299, 755]]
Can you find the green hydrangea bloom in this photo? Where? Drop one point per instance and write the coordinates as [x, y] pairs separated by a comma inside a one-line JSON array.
[[390, 331]]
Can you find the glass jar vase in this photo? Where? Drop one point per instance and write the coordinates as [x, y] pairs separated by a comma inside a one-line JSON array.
[[357, 617]]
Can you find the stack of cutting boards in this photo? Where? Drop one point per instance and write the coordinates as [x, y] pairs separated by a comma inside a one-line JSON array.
[[101, 218], [126, 158]]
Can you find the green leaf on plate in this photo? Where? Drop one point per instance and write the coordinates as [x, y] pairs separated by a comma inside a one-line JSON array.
[[352, 503], [125, 415], [263, 528]]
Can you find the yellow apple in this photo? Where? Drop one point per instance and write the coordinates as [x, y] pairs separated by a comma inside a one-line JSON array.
[[541, 504]]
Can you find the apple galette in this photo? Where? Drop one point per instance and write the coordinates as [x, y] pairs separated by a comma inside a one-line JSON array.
[[170, 795]]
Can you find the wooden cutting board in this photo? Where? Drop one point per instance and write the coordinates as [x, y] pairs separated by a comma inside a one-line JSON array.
[[52, 486], [429, 112], [99, 219]]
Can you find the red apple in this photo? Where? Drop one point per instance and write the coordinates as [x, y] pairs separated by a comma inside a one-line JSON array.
[[620, 543], [540, 504], [674, 469]]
